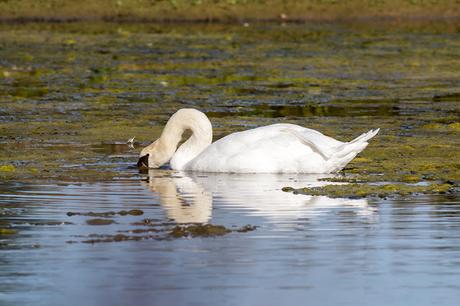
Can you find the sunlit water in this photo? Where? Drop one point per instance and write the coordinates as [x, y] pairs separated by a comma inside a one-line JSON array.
[[305, 249]]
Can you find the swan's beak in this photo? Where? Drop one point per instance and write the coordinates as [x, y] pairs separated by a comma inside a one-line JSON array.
[[143, 161]]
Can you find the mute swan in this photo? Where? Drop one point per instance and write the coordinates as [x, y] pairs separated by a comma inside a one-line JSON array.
[[277, 148]]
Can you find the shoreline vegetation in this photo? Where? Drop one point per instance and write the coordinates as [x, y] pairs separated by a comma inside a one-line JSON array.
[[227, 11]]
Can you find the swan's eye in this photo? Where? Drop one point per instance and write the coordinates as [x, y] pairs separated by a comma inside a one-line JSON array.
[[143, 161]]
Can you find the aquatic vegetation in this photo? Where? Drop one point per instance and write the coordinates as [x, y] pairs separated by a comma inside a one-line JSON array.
[[132, 212], [99, 221], [246, 228], [164, 232], [372, 190], [7, 168], [7, 231], [206, 230], [106, 83], [145, 229], [198, 230], [96, 238], [224, 10]]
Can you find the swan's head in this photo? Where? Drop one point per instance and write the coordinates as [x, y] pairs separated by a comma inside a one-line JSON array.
[[153, 156]]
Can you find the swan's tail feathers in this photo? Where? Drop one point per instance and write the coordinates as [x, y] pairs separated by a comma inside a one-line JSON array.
[[336, 158], [365, 136], [342, 158], [346, 152]]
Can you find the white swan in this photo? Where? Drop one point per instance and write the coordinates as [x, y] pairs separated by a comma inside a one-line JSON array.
[[277, 148]]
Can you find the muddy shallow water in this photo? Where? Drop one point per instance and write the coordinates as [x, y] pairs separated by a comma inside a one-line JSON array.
[[80, 225]]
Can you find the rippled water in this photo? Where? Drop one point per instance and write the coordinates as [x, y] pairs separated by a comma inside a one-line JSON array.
[[330, 251]]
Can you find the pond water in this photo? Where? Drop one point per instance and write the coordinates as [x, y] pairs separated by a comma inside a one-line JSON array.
[[80, 226], [331, 251]]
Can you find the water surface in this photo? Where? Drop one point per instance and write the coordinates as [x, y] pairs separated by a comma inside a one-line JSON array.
[[331, 251]]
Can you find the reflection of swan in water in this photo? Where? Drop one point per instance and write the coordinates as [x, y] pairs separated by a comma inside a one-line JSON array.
[[188, 197], [184, 200]]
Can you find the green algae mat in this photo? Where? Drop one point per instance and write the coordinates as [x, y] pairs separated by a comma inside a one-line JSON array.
[[226, 10], [72, 94]]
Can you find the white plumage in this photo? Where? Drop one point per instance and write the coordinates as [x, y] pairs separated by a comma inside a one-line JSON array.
[[277, 148]]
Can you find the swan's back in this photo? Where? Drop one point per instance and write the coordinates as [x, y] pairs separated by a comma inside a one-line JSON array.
[[277, 148]]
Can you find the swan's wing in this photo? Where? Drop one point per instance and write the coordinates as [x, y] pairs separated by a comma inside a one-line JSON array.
[[275, 148], [327, 146], [317, 143], [278, 135]]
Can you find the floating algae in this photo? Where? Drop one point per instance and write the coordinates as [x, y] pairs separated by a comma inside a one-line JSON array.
[[246, 228], [164, 232], [7, 231], [132, 212], [99, 221], [199, 230], [95, 238], [124, 87], [372, 190], [7, 168]]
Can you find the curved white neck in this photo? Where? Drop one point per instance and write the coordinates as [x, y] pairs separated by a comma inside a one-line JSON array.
[[182, 120]]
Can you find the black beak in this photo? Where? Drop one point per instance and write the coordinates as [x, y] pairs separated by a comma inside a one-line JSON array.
[[143, 161]]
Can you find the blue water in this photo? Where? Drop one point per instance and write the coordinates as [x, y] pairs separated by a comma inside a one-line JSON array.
[[306, 250]]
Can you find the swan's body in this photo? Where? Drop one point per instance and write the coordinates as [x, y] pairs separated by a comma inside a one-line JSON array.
[[277, 148]]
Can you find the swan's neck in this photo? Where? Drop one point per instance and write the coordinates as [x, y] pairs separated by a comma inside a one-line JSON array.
[[182, 120]]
